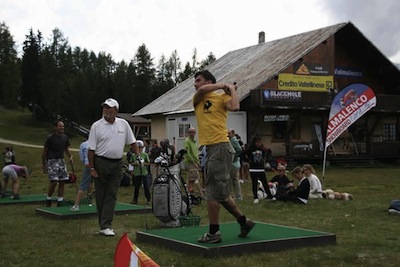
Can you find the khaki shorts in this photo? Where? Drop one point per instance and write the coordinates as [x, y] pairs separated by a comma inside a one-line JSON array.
[[193, 172], [218, 165]]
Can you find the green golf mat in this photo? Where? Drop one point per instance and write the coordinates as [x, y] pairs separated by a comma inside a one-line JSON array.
[[64, 212], [263, 238], [25, 199]]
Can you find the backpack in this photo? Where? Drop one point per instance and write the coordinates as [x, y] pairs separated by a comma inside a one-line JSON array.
[[126, 179]]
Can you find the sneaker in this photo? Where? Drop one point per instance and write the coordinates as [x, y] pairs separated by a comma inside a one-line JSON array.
[[48, 202], [75, 208], [210, 238], [107, 232], [241, 181], [246, 228], [394, 212], [256, 201], [134, 202], [15, 197]]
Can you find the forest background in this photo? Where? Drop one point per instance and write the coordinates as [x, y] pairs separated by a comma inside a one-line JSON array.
[[52, 78]]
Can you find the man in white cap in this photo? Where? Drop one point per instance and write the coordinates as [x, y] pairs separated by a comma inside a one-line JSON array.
[[107, 139]]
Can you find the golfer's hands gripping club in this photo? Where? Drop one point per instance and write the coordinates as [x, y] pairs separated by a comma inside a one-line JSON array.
[[229, 88]]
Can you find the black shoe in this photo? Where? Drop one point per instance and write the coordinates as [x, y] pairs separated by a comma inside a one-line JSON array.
[[16, 197], [134, 202], [48, 202], [246, 228]]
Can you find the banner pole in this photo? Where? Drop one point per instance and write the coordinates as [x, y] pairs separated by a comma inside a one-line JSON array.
[[324, 162]]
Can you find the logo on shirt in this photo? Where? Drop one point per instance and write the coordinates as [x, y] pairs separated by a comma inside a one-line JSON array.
[[207, 106], [257, 156]]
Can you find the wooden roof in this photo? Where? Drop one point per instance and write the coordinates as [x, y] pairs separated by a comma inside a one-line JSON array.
[[135, 120], [250, 67]]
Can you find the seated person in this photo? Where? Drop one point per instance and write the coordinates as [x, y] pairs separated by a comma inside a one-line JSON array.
[[394, 207], [300, 194], [315, 183], [280, 182]]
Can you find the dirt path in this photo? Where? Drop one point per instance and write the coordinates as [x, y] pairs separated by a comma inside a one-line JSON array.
[[11, 142]]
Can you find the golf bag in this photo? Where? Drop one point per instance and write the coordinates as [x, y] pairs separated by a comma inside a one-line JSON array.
[[171, 197], [126, 176]]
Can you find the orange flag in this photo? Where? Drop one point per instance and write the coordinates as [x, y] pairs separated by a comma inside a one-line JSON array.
[[128, 254]]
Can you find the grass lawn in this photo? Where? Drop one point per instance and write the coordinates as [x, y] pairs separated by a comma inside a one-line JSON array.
[[366, 234]]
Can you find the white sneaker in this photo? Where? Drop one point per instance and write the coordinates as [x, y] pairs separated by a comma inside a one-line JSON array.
[[256, 201], [394, 212], [107, 232], [75, 208], [241, 181]]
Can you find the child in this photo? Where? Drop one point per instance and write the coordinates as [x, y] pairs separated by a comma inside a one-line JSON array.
[[140, 173], [315, 183], [256, 155], [300, 194]]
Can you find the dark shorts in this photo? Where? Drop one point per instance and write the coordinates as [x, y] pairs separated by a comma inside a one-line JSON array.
[[218, 165]]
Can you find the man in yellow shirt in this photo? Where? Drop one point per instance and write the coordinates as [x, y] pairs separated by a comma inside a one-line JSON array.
[[211, 109]]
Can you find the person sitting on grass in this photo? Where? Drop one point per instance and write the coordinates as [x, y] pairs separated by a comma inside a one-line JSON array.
[[300, 194], [13, 171], [394, 207], [315, 183], [280, 182]]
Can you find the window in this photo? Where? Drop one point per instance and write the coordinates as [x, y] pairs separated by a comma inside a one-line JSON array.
[[389, 132], [280, 130], [183, 130]]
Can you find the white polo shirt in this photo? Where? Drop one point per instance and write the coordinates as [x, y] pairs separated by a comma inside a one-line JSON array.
[[109, 139]]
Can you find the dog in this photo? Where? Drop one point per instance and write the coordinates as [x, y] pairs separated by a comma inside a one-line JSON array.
[[330, 194]]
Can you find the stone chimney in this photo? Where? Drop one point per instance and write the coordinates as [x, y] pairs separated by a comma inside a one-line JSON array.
[[261, 37]]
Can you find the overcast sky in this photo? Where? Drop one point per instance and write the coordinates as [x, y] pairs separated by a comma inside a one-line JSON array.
[[119, 27]]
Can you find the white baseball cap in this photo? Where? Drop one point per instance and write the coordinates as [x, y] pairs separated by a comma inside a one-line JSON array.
[[111, 102], [139, 143]]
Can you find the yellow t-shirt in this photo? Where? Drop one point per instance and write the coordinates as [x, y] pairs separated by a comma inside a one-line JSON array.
[[211, 116]]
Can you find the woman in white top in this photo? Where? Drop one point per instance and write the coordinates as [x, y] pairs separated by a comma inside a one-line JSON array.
[[315, 184]]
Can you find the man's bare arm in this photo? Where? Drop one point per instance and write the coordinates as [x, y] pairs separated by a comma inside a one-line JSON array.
[[233, 104], [205, 89]]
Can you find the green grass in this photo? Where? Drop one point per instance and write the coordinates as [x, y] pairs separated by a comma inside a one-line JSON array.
[[366, 234]]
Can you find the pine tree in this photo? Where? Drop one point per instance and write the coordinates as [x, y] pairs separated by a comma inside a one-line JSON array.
[[9, 69]]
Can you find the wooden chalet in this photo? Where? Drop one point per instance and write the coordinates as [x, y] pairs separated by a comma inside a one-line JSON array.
[[286, 87]]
